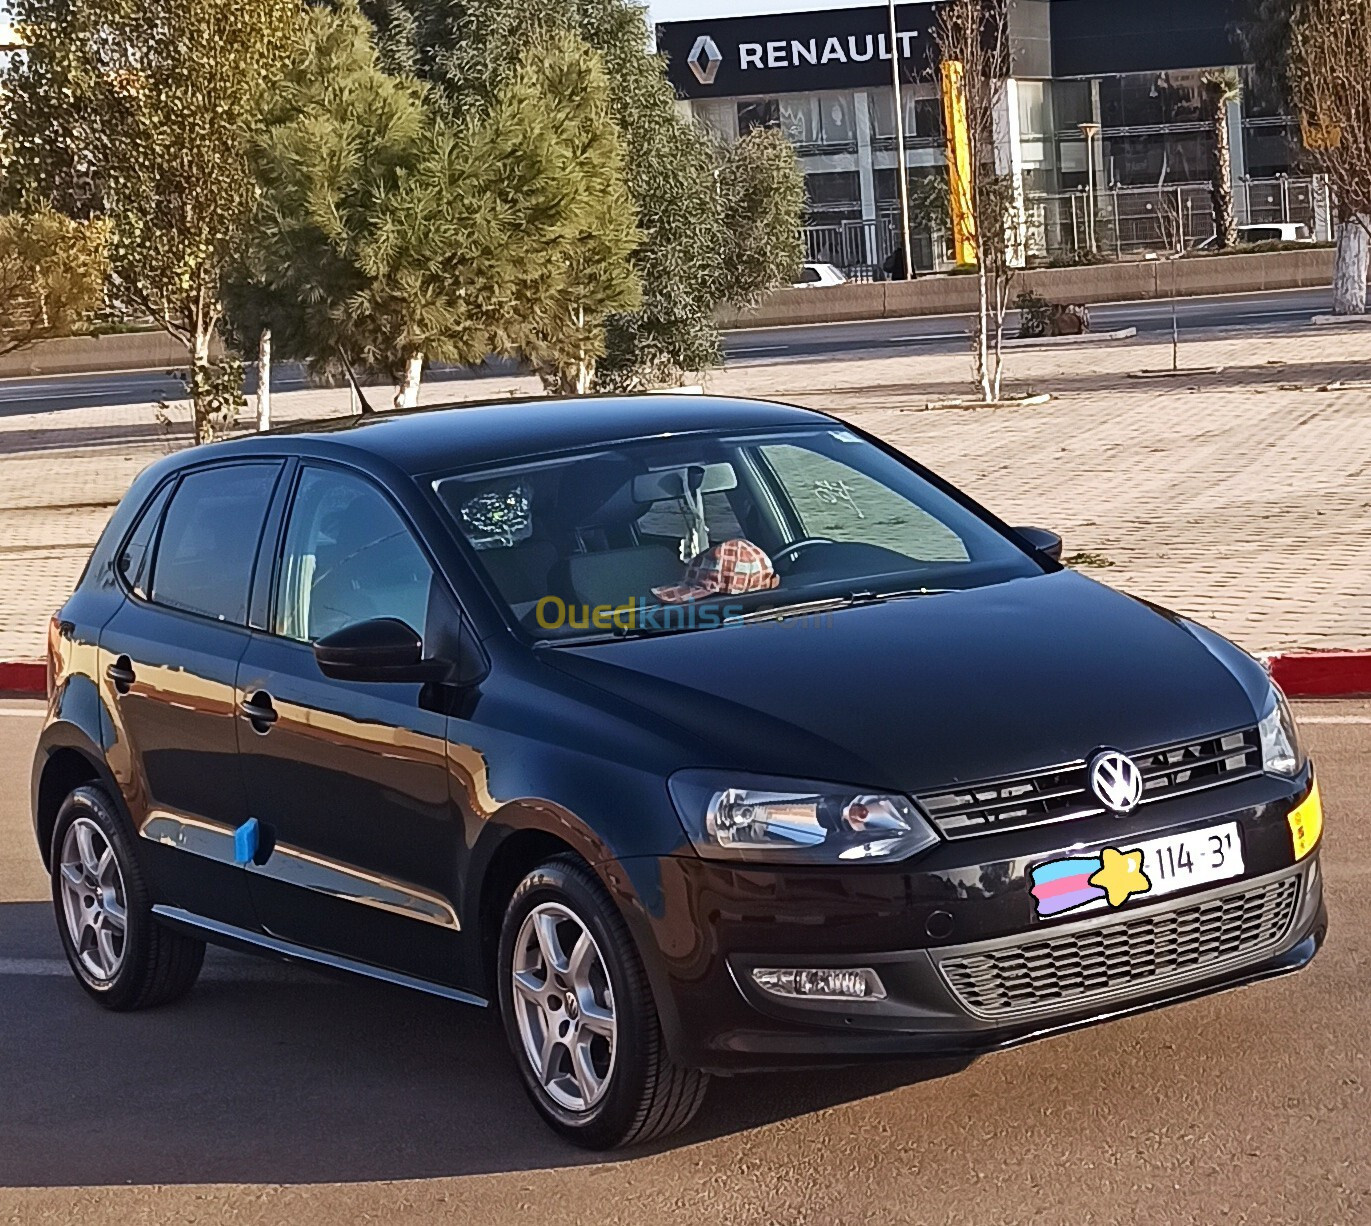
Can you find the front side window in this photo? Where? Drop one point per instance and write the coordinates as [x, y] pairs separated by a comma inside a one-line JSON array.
[[209, 540], [733, 524], [349, 558]]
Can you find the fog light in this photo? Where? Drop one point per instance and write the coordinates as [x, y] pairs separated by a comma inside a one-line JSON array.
[[861, 984]]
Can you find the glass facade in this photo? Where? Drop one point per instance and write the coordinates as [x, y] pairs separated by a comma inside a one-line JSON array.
[[1156, 134]]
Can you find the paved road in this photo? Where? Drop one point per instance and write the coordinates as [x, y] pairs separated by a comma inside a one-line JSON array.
[[947, 333], [275, 1095], [934, 334]]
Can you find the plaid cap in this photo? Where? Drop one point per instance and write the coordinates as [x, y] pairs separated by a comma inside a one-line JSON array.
[[731, 569]]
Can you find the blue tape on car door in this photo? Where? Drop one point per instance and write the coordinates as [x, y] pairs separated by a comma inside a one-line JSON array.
[[245, 840]]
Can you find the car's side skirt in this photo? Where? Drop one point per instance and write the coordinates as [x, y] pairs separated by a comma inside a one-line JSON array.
[[213, 930]]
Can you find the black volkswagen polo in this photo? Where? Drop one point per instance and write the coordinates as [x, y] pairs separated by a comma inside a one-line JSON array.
[[694, 735]]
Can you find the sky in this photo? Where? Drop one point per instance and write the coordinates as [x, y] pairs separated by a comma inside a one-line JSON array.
[[690, 10]]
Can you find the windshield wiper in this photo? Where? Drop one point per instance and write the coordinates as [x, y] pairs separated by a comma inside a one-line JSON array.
[[833, 604]]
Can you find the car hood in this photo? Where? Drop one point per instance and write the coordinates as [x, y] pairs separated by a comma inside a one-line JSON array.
[[918, 694]]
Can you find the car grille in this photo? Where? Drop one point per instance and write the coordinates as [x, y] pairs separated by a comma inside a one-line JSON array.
[[1063, 793], [1124, 958]]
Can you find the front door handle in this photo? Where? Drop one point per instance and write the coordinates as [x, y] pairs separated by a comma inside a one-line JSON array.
[[259, 712], [121, 674]]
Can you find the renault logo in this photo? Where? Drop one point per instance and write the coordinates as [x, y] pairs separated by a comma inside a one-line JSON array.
[[704, 59], [1117, 781]]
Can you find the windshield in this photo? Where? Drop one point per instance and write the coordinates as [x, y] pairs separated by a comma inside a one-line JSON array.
[[697, 532]]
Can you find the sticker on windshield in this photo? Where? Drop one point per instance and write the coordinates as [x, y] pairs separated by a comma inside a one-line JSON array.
[[837, 493], [843, 436]]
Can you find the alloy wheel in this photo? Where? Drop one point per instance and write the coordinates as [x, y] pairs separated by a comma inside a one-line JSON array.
[[564, 1007], [94, 901]]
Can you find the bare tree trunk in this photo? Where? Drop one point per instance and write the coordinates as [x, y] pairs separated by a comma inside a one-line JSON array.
[[201, 400], [1349, 273], [264, 380], [408, 395], [983, 333]]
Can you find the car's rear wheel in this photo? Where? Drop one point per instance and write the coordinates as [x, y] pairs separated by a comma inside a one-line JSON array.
[[580, 1017], [118, 951]]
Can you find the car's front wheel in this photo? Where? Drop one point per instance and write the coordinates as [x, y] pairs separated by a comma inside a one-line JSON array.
[[120, 954], [580, 1018]]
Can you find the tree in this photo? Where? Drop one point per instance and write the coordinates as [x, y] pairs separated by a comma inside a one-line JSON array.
[[762, 192], [140, 111], [466, 48], [1330, 74], [1269, 41], [52, 275], [1222, 88], [972, 40], [388, 232]]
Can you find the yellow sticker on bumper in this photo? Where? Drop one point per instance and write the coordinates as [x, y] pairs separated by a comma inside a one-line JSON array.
[[1306, 823]]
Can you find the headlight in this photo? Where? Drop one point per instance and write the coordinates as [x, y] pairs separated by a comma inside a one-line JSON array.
[[1282, 753], [784, 821]]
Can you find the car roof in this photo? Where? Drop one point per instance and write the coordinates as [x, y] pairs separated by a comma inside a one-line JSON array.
[[447, 437]]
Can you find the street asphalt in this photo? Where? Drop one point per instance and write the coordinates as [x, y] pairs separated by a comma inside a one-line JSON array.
[[272, 1094], [925, 334]]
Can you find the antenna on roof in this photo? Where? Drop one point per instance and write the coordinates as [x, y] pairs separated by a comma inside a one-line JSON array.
[[362, 400]]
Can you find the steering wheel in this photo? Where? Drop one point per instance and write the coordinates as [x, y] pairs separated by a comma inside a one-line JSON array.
[[792, 550]]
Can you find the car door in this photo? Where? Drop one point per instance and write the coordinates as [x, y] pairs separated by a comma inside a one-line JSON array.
[[349, 780], [168, 664]]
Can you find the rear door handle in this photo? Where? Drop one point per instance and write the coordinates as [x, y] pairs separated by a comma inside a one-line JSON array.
[[121, 674], [259, 712]]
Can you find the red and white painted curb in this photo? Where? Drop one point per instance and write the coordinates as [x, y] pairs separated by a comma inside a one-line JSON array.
[[23, 677], [1322, 674], [1312, 674]]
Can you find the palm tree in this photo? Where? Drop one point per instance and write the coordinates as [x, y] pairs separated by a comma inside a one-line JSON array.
[[1223, 87]]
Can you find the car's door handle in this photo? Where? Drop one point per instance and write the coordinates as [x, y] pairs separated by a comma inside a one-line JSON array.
[[121, 674], [259, 712]]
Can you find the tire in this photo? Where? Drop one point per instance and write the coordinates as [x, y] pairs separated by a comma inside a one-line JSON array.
[[626, 1090], [96, 885]]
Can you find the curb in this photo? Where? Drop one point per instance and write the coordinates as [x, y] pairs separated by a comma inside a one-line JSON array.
[[1082, 338], [23, 677], [1322, 674], [1313, 674]]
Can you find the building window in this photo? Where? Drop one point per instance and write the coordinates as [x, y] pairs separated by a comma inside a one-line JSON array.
[[758, 113], [835, 194]]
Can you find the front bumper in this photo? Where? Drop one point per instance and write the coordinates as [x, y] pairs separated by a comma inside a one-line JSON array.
[[966, 965]]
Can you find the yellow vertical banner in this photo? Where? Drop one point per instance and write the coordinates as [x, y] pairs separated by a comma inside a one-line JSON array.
[[959, 162]]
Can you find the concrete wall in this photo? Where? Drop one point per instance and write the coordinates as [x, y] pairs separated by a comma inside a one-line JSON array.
[[955, 295], [96, 355]]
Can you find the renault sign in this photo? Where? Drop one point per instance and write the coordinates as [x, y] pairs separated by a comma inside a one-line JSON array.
[[795, 52]]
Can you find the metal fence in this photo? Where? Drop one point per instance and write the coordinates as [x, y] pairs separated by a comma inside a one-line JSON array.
[[1170, 218], [861, 248], [1127, 221]]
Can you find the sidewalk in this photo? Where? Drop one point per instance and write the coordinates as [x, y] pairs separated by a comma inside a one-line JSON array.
[[1241, 498]]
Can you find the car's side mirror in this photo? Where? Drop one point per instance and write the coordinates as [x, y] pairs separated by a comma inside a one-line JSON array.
[[382, 650], [1043, 541]]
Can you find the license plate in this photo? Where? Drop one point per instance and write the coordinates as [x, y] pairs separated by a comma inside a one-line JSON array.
[[1201, 857], [1137, 871]]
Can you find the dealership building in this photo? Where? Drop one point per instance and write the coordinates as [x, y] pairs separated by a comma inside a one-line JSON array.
[[825, 75]]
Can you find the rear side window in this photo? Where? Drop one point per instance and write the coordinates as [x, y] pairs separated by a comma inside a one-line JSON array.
[[209, 540]]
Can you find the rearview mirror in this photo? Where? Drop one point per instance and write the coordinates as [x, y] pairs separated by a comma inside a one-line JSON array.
[[1043, 541], [385, 649]]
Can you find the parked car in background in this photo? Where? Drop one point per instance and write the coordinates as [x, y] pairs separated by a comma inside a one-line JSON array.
[[819, 276], [1268, 232], [690, 735]]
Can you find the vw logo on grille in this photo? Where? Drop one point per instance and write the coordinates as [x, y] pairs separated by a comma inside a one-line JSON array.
[[1117, 781]]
